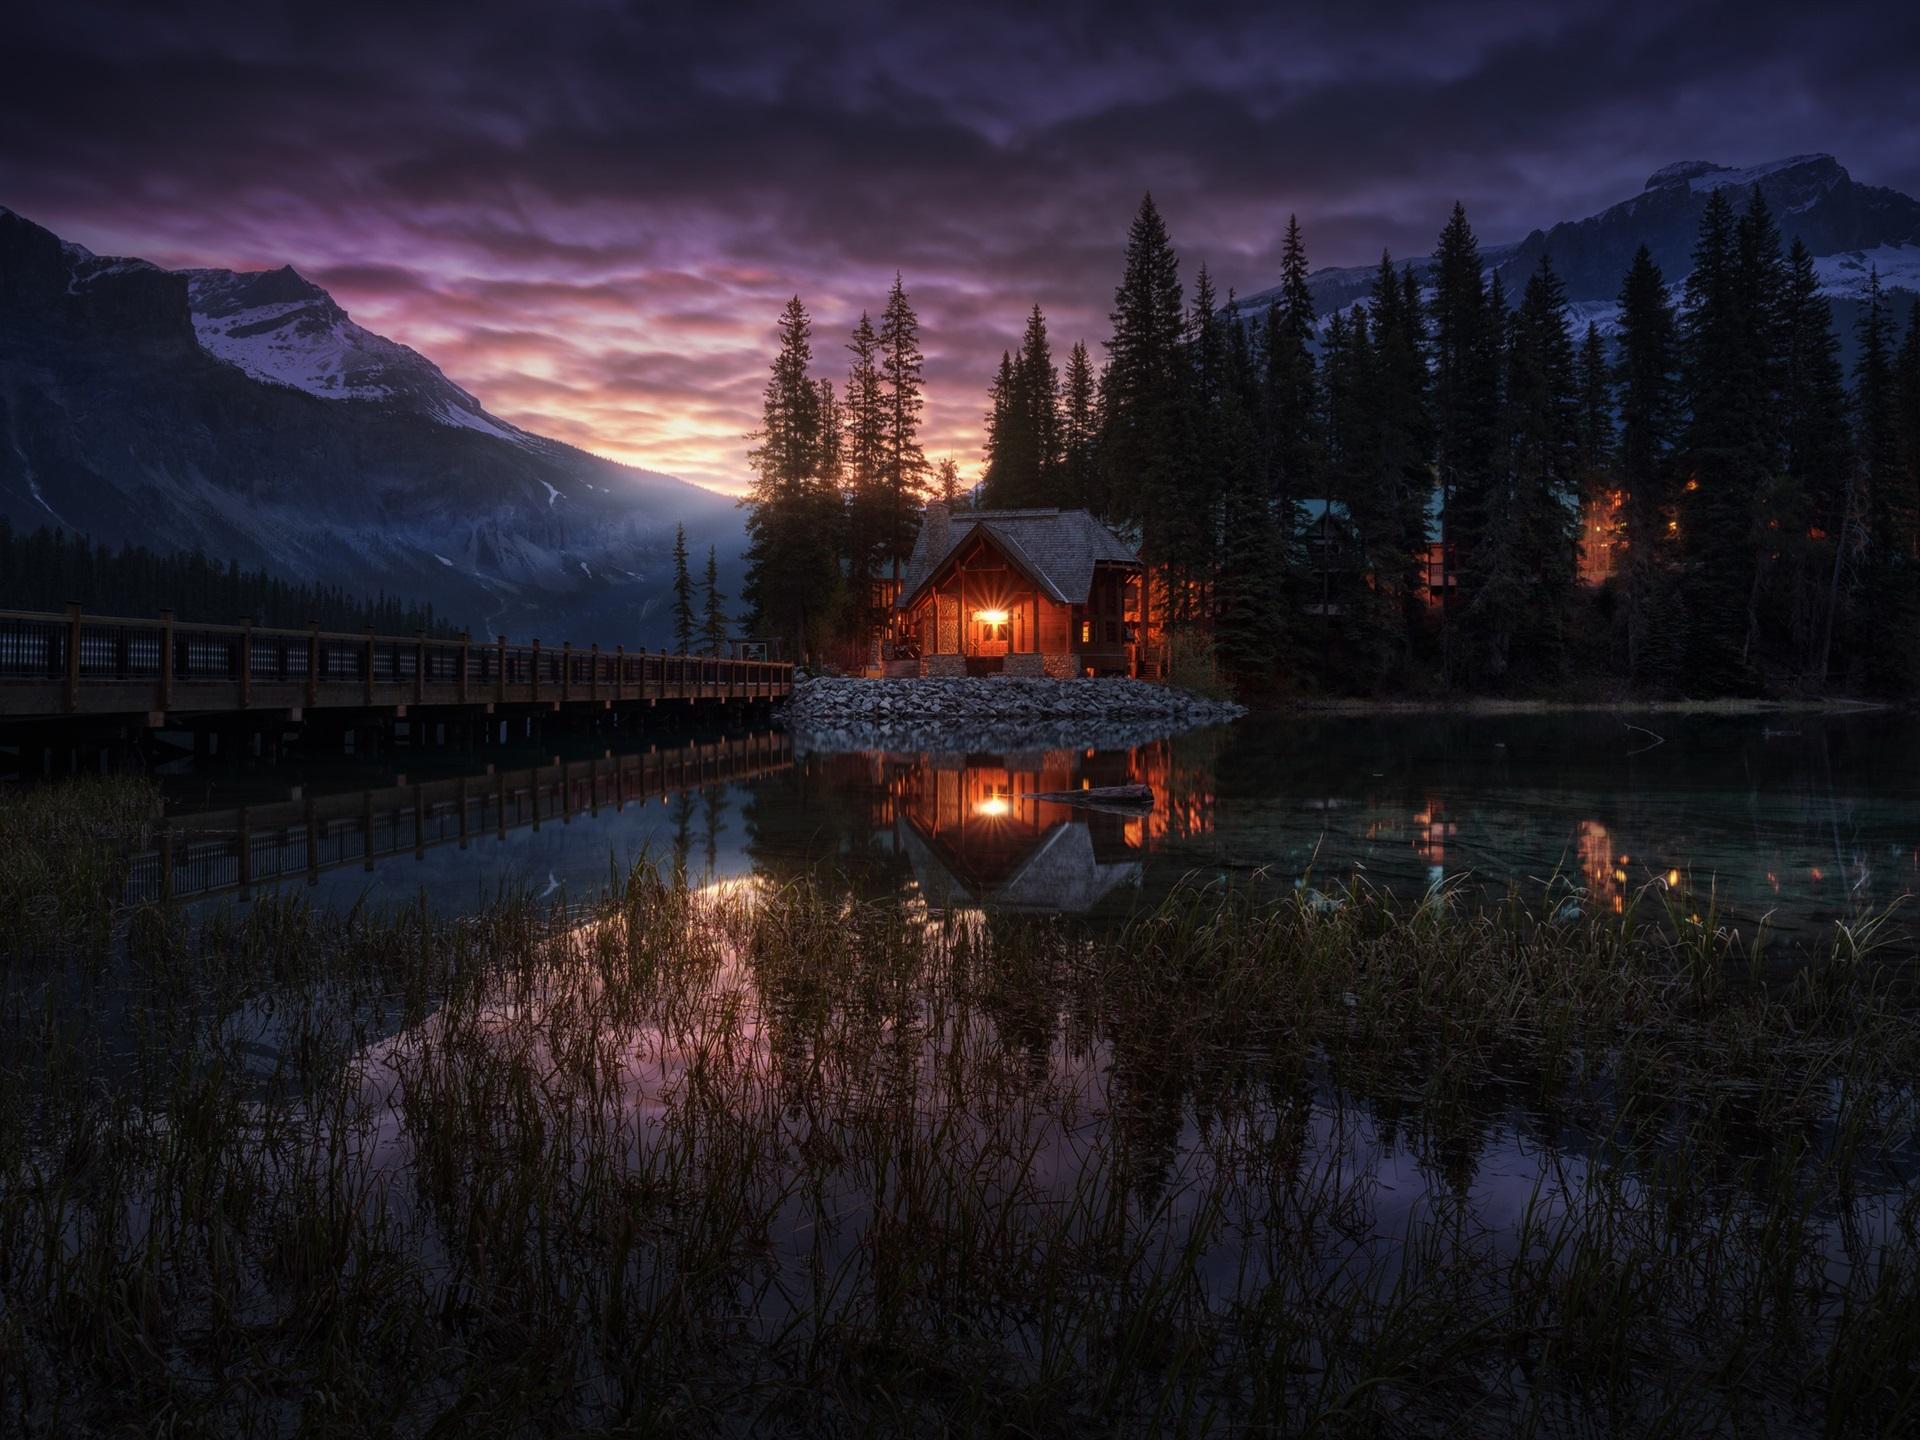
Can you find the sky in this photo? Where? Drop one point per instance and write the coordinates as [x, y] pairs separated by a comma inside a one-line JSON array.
[[590, 213]]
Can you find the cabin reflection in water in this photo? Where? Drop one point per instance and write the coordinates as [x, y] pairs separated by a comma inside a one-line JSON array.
[[976, 836]]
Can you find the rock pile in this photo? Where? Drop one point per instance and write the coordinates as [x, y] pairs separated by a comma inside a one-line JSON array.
[[992, 713]]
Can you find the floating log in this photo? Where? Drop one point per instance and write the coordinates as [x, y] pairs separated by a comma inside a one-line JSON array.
[[1137, 796]]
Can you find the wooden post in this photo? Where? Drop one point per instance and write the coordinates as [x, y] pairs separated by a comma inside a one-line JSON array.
[[246, 661], [419, 667], [166, 661], [73, 656], [566, 669], [368, 658], [593, 671], [500, 669], [313, 663], [619, 672], [536, 667], [466, 649]]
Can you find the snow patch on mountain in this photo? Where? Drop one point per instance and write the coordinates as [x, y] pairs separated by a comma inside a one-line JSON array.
[[1723, 176], [277, 326], [1847, 274]]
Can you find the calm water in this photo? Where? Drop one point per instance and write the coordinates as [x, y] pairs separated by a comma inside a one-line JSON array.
[[1807, 820], [1266, 1170]]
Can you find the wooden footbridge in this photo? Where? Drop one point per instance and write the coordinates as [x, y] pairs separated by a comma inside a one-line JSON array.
[[59, 667]]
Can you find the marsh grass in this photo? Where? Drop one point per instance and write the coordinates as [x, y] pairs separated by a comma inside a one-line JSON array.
[[63, 864], [765, 1159]]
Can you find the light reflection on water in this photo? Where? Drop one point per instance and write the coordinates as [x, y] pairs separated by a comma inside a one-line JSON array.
[[1730, 818]]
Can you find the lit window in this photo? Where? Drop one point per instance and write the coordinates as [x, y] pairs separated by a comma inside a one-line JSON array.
[[1086, 632]]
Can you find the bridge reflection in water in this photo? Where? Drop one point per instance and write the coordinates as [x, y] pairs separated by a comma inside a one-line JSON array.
[[235, 850]]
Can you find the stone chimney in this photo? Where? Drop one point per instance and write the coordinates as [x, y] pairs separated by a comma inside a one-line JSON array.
[[937, 522]]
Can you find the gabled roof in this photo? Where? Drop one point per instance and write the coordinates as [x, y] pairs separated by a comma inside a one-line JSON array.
[[1057, 549]]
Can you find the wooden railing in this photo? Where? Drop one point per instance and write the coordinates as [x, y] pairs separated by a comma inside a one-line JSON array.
[[219, 850], [79, 664]]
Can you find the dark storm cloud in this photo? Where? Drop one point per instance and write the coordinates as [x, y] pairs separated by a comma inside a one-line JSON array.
[[589, 212]]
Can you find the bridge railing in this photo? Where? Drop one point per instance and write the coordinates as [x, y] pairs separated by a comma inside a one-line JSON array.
[[75, 657]]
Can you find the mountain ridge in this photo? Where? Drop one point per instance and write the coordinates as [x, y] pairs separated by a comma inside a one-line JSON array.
[[245, 414], [1850, 228]]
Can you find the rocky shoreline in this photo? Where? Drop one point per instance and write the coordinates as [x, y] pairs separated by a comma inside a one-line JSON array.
[[992, 713]]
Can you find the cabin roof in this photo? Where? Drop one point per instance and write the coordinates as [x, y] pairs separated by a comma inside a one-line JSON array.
[[1058, 549]]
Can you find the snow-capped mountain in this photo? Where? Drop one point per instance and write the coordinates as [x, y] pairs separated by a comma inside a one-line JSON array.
[[247, 415], [1850, 228]]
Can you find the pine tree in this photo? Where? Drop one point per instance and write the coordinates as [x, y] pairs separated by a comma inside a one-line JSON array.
[[1907, 420], [1817, 467], [1397, 394], [1080, 433], [1189, 528], [1358, 635], [1249, 608], [1541, 430], [902, 365], [1142, 395], [1468, 333], [682, 595], [868, 501], [1648, 382], [793, 582], [713, 624], [1005, 437], [1889, 634], [946, 481], [1292, 398], [1726, 446], [1039, 384]]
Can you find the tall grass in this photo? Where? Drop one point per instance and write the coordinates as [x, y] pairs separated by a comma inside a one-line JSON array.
[[765, 1159], [63, 855]]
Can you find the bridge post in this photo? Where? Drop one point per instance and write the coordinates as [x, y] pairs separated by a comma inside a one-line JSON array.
[[500, 669], [566, 669], [536, 667], [619, 672], [593, 671], [367, 656], [419, 667], [73, 656], [166, 661], [466, 646], [313, 663], [246, 661]]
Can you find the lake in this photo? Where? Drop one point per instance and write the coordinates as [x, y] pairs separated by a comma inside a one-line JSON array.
[[544, 1136], [1805, 820]]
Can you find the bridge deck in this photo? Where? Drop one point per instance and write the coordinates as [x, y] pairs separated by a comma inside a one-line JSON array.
[[84, 665]]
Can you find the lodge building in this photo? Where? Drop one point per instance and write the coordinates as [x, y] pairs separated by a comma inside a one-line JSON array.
[[1017, 592]]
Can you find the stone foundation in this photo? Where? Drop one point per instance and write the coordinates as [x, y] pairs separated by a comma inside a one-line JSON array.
[[991, 712], [1025, 665], [943, 666], [1060, 667]]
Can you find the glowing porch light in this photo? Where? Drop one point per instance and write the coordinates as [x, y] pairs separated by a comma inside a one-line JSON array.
[[990, 617], [994, 807]]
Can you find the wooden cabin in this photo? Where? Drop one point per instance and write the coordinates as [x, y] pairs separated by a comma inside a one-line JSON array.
[[1024, 592]]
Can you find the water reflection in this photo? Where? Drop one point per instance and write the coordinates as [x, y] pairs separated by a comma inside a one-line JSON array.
[[1727, 819]]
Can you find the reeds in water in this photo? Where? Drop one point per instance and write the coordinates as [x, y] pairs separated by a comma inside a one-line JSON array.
[[764, 1159]]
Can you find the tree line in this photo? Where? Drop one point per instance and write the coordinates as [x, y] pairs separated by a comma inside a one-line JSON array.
[[707, 629], [1747, 513], [839, 478], [46, 568]]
